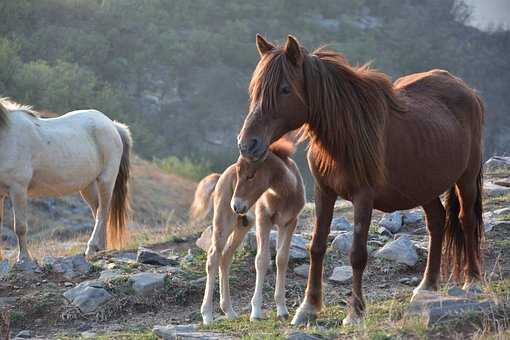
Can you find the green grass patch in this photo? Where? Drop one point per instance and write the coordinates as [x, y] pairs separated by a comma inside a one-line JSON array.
[[185, 167], [127, 335]]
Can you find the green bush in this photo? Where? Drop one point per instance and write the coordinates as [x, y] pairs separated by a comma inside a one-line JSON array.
[[185, 167]]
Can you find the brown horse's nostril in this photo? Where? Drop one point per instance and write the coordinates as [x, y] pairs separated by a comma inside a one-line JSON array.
[[254, 145]]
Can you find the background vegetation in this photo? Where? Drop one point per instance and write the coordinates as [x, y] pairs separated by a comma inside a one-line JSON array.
[[177, 71]]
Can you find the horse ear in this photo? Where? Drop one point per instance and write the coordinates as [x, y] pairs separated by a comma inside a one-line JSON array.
[[263, 45], [293, 50]]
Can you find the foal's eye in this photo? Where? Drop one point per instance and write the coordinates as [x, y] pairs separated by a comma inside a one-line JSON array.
[[250, 177], [285, 90]]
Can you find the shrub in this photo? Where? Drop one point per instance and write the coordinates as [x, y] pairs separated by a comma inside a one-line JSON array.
[[185, 167]]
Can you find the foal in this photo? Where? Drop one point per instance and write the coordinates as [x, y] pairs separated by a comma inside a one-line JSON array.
[[267, 193]]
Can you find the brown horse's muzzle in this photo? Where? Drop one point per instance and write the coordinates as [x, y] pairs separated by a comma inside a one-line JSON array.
[[254, 149]]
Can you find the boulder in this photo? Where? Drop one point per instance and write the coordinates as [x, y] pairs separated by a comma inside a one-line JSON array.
[[491, 189], [298, 245], [392, 222], [110, 275], [498, 163], [343, 242], [401, 250], [149, 256], [435, 308], [341, 223], [302, 270], [341, 274], [504, 182], [25, 334], [145, 284], [69, 267], [204, 241], [88, 296], [413, 217], [186, 332]]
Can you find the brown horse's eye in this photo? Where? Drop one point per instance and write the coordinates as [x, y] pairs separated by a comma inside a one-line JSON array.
[[250, 177], [285, 90]]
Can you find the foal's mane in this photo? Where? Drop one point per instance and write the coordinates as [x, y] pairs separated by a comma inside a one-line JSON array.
[[347, 109], [7, 105]]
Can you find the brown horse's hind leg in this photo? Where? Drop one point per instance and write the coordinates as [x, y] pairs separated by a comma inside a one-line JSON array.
[[311, 305], [363, 204], [435, 215]]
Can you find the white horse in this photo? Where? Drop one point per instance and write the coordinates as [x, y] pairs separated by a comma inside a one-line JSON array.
[[80, 151]]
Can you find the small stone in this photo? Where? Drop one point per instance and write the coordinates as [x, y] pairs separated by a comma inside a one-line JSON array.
[[341, 223], [173, 332], [343, 242], [456, 291], [392, 222], [88, 296], [25, 334], [341, 274], [401, 250], [204, 241], [298, 335], [149, 256], [384, 232], [298, 246], [302, 270], [404, 280], [491, 189], [88, 335], [412, 217], [147, 283], [68, 284], [69, 267]]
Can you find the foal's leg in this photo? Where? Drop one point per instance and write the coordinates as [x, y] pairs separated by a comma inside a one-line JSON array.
[[468, 191], [363, 204], [311, 305], [435, 215], [19, 202], [222, 226], [105, 184], [261, 263], [90, 196], [282, 261], [233, 243]]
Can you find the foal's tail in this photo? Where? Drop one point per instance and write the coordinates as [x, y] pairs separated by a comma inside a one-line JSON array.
[[119, 208], [454, 244], [202, 203]]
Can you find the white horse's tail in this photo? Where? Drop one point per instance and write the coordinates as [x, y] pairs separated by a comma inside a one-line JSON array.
[[203, 197], [119, 208]]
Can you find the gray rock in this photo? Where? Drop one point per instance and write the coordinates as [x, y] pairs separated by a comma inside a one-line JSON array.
[[27, 266], [343, 242], [186, 332], [4, 267], [384, 232], [392, 222], [412, 217], [145, 284], [436, 309], [456, 291], [302, 270], [410, 281], [505, 182], [298, 335], [88, 296], [204, 242], [298, 245], [149, 256], [501, 212], [491, 189], [341, 274], [110, 275], [401, 250], [497, 162], [68, 266], [25, 334], [341, 223]]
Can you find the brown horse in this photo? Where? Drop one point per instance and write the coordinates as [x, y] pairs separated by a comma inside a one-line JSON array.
[[379, 145], [275, 190]]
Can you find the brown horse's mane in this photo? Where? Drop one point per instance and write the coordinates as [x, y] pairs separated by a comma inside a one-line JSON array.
[[7, 105], [283, 147], [347, 109]]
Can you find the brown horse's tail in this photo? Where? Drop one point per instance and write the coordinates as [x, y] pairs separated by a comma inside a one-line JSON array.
[[202, 203], [119, 208], [454, 245]]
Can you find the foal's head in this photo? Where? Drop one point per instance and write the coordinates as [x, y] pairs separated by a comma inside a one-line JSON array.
[[277, 103], [254, 178]]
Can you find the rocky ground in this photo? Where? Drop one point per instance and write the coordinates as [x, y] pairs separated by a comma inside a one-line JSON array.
[[155, 289]]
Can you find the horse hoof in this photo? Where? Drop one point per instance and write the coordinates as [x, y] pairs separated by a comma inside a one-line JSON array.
[[91, 250], [255, 318], [231, 315], [26, 264], [283, 317], [207, 320], [303, 318], [423, 294], [351, 320]]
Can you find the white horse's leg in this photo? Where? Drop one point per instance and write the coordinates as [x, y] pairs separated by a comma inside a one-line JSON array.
[[222, 226], [282, 261], [233, 243], [97, 241], [89, 194], [261, 263], [19, 202]]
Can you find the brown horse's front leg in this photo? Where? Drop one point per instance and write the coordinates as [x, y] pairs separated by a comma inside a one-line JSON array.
[[363, 204], [311, 305]]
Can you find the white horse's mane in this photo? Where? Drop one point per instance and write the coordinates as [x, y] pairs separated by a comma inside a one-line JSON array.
[[8, 104]]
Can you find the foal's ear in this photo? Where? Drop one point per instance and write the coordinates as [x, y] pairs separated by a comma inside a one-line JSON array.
[[263, 45], [293, 50]]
